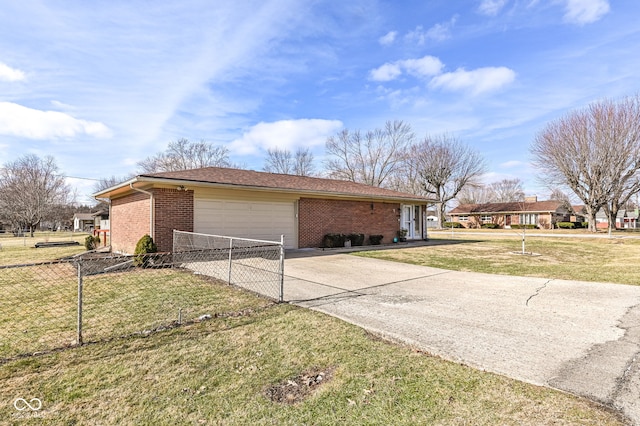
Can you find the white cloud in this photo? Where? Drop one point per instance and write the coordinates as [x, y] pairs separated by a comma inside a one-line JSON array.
[[10, 74], [585, 11], [512, 164], [285, 134], [388, 38], [492, 7], [418, 36], [423, 67], [438, 32], [17, 120], [386, 72], [476, 81], [62, 105]]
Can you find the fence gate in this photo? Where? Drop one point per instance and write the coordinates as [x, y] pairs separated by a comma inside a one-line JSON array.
[[256, 265]]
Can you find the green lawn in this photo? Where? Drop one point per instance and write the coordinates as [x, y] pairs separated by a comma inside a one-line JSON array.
[[17, 250], [586, 259], [227, 369], [220, 371]]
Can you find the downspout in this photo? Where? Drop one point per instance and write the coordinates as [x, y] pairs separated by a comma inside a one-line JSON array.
[[152, 226]]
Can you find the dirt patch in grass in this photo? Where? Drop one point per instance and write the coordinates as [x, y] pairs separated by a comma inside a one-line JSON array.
[[297, 389]]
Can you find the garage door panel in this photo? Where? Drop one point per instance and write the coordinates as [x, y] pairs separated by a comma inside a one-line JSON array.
[[257, 220]]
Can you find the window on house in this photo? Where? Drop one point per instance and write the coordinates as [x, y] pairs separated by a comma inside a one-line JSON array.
[[463, 218], [529, 218], [485, 218]]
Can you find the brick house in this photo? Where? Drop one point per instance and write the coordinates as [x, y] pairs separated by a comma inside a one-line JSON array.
[[259, 205], [542, 214]]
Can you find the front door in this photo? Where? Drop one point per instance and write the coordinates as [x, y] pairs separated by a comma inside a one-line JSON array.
[[411, 221]]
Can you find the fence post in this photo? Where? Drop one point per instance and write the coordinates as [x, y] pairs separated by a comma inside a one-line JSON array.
[[281, 268], [79, 327], [230, 259]]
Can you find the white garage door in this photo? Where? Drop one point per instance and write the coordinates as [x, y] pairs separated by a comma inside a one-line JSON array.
[[256, 219]]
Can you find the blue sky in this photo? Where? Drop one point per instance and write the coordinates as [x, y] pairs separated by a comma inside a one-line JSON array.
[[101, 85]]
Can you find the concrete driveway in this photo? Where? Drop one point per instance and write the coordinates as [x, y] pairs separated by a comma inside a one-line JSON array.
[[580, 337]]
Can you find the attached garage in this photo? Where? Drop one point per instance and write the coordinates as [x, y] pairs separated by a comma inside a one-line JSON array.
[[251, 204], [260, 220]]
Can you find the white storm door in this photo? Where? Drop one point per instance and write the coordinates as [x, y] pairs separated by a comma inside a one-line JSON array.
[[407, 219]]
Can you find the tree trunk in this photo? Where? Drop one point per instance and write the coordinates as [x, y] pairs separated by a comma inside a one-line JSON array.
[[592, 222], [441, 215], [612, 213]]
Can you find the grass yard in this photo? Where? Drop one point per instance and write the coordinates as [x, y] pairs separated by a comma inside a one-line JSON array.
[[223, 371], [585, 259], [253, 363], [17, 250], [38, 305]]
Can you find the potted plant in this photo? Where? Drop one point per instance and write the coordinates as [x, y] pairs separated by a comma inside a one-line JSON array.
[[402, 234]]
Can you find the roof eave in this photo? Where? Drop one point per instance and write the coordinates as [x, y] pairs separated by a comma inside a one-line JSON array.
[[184, 182]]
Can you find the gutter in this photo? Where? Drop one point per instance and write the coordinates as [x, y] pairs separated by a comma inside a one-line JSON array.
[[151, 209], [281, 190]]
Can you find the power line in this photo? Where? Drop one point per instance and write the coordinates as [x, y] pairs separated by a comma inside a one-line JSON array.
[[82, 178], [67, 176]]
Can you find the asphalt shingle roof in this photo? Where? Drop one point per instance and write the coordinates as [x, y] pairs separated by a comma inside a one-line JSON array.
[[539, 206], [251, 178]]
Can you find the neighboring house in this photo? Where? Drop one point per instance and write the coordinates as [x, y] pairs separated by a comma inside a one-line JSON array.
[[87, 222], [432, 219], [578, 214], [101, 219], [625, 219], [250, 204], [83, 222], [543, 214]]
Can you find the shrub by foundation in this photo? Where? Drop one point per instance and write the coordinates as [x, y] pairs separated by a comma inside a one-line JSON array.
[[453, 225], [91, 242], [490, 226], [375, 239], [333, 240], [356, 239], [144, 246]]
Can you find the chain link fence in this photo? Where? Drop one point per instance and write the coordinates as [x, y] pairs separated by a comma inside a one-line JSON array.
[[98, 296], [255, 265]]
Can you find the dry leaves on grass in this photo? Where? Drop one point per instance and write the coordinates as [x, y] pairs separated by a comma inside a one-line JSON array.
[[296, 390]]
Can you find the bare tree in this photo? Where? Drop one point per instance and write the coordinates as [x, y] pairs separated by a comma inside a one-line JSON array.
[[304, 163], [558, 194], [596, 153], [110, 181], [282, 161], [371, 157], [279, 161], [507, 190], [30, 189], [446, 166], [476, 194], [184, 155]]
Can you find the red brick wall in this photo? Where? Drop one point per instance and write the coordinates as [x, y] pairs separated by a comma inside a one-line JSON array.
[[173, 210], [129, 221], [318, 217], [130, 218]]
